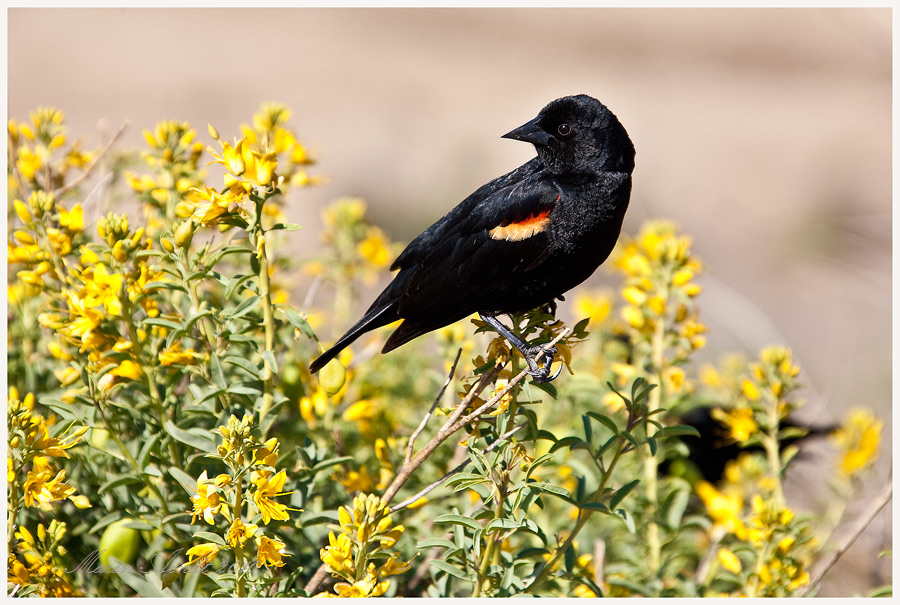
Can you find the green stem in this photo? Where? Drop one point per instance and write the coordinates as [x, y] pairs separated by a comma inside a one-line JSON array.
[[487, 555], [651, 464], [239, 549], [265, 293], [583, 516], [13, 505], [773, 455]]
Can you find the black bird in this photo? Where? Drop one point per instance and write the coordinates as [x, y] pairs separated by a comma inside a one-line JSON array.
[[521, 240]]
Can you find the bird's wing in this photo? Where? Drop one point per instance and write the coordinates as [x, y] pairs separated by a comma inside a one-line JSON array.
[[476, 251]]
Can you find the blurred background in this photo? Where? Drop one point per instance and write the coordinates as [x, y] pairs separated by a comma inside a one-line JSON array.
[[765, 133]]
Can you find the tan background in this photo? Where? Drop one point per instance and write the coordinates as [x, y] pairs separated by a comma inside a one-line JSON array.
[[766, 133]]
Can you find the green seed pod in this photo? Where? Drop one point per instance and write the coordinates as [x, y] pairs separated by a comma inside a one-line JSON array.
[[332, 377]]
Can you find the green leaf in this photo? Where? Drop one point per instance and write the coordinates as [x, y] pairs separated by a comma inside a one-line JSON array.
[[457, 520], [623, 491], [676, 504], [605, 421], [163, 323], [192, 437], [679, 430], [244, 308], [236, 281], [323, 464], [435, 543], [183, 479], [298, 322], [547, 387], [118, 482], [565, 442], [165, 285], [269, 357], [285, 227], [216, 369], [597, 506], [450, 569], [503, 524], [209, 537]]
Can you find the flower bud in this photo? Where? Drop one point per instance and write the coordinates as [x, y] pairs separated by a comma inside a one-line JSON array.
[[184, 234]]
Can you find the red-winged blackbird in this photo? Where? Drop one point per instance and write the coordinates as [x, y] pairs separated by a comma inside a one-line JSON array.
[[518, 242]]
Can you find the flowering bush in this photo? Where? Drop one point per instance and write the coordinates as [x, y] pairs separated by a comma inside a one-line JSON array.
[[167, 439]]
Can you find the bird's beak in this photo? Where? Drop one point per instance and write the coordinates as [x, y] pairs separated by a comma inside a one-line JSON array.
[[530, 132]]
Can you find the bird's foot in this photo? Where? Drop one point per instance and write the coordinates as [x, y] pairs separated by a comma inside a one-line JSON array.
[[540, 360]]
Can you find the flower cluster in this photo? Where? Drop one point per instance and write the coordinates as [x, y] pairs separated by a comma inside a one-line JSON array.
[[32, 477], [42, 567], [858, 439], [173, 158], [243, 504], [38, 159], [357, 553]]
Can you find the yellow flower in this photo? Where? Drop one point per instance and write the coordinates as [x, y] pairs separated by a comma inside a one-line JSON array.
[[202, 554], [393, 566], [723, 509], [39, 439], [673, 378], [206, 501], [206, 205], [102, 288], [266, 489], [337, 555], [858, 438], [73, 219], [729, 561], [356, 481], [42, 486], [28, 161], [238, 533], [593, 305], [633, 316], [22, 212], [267, 453], [176, 355], [374, 248], [739, 422], [266, 163], [368, 587], [269, 552], [749, 389]]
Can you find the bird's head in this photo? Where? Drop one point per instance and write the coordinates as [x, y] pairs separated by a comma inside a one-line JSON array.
[[578, 135]]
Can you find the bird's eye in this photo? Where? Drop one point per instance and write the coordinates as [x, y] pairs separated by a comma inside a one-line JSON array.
[[564, 130]]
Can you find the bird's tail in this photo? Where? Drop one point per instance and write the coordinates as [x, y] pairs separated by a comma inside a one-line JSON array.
[[374, 318]]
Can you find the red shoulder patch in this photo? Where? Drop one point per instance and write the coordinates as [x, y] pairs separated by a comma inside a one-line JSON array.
[[521, 229]]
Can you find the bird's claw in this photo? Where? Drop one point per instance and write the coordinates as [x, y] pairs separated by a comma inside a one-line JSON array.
[[540, 360]]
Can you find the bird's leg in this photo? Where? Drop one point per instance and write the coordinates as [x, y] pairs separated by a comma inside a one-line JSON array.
[[534, 355]]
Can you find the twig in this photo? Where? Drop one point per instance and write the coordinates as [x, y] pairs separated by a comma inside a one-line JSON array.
[[458, 468], [855, 531], [73, 183], [421, 427]]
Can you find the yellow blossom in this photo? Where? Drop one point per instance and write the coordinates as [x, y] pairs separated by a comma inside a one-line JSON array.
[[595, 306], [269, 552], [202, 554], [858, 438], [268, 488], [73, 219], [723, 509], [239, 532], [206, 501], [176, 355], [728, 560], [374, 248], [739, 422]]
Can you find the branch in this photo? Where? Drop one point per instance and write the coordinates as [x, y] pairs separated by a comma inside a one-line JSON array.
[[74, 183], [855, 531], [421, 427], [458, 468]]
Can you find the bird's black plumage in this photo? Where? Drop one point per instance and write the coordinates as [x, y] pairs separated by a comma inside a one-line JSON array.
[[521, 240]]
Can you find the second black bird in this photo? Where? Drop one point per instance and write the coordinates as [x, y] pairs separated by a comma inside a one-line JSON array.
[[518, 242]]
